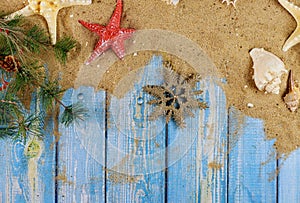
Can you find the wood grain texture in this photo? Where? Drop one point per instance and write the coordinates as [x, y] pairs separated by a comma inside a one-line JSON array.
[[121, 156], [289, 179], [80, 177], [201, 175], [135, 149], [251, 161], [28, 179]]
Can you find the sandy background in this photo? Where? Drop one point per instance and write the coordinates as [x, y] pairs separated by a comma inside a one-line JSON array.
[[225, 33]]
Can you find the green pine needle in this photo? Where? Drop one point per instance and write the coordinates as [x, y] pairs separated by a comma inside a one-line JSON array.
[[36, 38], [10, 108], [28, 126], [16, 40], [29, 76], [15, 22], [50, 92], [62, 48], [6, 47], [24, 42], [74, 113]]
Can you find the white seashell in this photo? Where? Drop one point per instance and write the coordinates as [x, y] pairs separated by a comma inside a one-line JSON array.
[[292, 98], [268, 70], [250, 105], [174, 2], [229, 2]]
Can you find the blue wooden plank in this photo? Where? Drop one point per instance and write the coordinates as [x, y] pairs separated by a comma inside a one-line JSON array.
[[135, 145], [289, 178], [42, 164], [14, 187], [81, 174], [200, 175], [251, 160], [28, 173], [46, 166]]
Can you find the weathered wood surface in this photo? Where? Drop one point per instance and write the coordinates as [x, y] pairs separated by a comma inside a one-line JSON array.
[[120, 156], [80, 178], [137, 174], [289, 179], [251, 161], [201, 175], [24, 178]]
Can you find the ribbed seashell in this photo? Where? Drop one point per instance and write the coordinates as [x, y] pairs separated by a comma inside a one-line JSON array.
[[292, 98], [268, 70]]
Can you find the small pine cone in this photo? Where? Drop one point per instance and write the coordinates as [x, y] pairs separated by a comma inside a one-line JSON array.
[[10, 64]]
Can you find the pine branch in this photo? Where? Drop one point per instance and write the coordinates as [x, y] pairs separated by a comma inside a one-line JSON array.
[[27, 125], [50, 92], [36, 38], [15, 22], [15, 40], [9, 110], [19, 47], [74, 113], [62, 48], [28, 76]]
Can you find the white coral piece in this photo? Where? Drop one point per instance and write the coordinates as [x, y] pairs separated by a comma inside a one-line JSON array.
[[268, 70]]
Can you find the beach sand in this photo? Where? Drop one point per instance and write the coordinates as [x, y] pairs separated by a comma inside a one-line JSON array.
[[226, 34]]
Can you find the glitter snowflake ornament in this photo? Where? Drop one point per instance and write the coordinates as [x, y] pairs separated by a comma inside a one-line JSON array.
[[175, 98]]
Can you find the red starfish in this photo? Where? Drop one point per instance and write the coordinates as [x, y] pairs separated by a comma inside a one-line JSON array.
[[111, 35]]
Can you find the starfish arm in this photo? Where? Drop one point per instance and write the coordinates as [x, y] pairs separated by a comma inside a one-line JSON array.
[[127, 32], [295, 12], [118, 44], [291, 8], [94, 27], [118, 48], [67, 3], [51, 18], [99, 49], [292, 40], [26, 11], [115, 19]]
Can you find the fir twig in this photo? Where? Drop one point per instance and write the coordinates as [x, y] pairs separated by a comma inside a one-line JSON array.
[[62, 48], [19, 66], [36, 39], [15, 40], [74, 113], [50, 92], [29, 76], [30, 125]]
